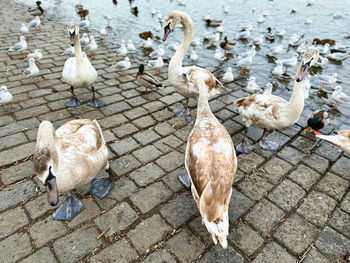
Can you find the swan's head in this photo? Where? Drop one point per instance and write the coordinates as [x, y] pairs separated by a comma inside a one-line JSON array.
[[73, 31], [309, 59], [171, 21], [45, 160]]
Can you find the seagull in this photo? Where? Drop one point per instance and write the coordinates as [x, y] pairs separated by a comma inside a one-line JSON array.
[[338, 96], [84, 39], [147, 43], [324, 50], [196, 42], [130, 46], [19, 46], [156, 64], [280, 32], [252, 87], [278, 70], [337, 56], [92, 45], [220, 28], [194, 56], [326, 79], [323, 61], [289, 62], [85, 23], [301, 49], [124, 64], [69, 51], [5, 95], [261, 19], [34, 23], [103, 33], [308, 21], [244, 62], [295, 40], [247, 27], [122, 50], [23, 29], [32, 70], [36, 55], [228, 76], [158, 28], [268, 90], [248, 53], [243, 35], [258, 40], [219, 57], [277, 50], [159, 52], [214, 37]]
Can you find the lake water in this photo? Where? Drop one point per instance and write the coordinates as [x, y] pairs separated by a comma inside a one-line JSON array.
[[126, 26]]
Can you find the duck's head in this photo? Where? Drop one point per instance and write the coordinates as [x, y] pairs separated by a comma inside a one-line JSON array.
[[45, 160], [141, 68], [309, 59], [73, 31], [38, 3], [171, 21]]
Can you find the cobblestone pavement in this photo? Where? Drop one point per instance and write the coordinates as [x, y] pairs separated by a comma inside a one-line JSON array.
[[286, 207]]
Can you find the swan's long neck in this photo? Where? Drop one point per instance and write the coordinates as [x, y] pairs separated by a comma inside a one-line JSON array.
[[203, 109], [77, 50], [176, 60], [295, 104]]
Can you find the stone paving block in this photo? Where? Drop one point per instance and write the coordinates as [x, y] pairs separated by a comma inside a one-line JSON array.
[[345, 205], [148, 233], [183, 133], [17, 172], [90, 210], [245, 238], [296, 234], [163, 115], [31, 112], [112, 121], [248, 163], [342, 167], [255, 187], [77, 244], [18, 220], [164, 129], [180, 209], [171, 161], [4, 120], [114, 108], [172, 179], [19, 126], [328, 151], [147, 174], [146, 137], [20, 241], [332, 244], [275, 169], [124, 164], [341, 222], [333, 185], [119, 252], [264, 216], [160, 256], [124, 130], [224, 115], [45, 230], [118, 218], [124, 146], [291, 155], [38, 206], [185, 246], [279, 138], [16, 193], [304, 144], [109, 136], [274, 253], [287, 194], [18, 153], [232, 128], [317, 208], [315, 257], [147, 154], [44, 255], [317, 162], [136, 101], [201, 231], [154, 106], [217, 254], [12, 140], [144, 122], [171, 99], [239, 204], [135, 113], [304, 176], [151, 196], [122, 188]]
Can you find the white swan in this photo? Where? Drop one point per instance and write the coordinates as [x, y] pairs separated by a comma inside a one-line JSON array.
[[78, 71], [176, 72], [342, 140]]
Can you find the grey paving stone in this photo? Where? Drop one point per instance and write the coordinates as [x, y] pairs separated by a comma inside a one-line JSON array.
[[114, 108], [317, 207], [317, 162], [144, 122], [17, 172], [154, 106], [172, 141], [20, 241], [264, 216], [333, 185], [171, 161], [304, 176], [274, 253], [90, 210], [151, 196], [245, 238], [248, 163], [274, 169], [147, 154], [332, 244], [315, 257], [201, 231], [291, 155], [171, 99], [342, 167], [239, 204], [328, 151], [124, 164], [12, 140], [217, 254], [135, 113], [15, 154], [183, 133], [112, 121], [185, 246], [341, 222], [120, 252], [345, 205], [18, 220], [44, 255], [296, 234], [160, 256], [164, 129], [255, 187], [147, 174], [17, 193], [124, 146], [38, 206], [146, 137], [179, 210], [304, 144], [287, 194], [148, 233], [45, 230], [19, 126], [118, 218], [172, 179], [278, 137], [77, 244], [125, 129]]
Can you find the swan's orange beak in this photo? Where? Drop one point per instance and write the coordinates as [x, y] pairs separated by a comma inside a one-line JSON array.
[[166, 32]]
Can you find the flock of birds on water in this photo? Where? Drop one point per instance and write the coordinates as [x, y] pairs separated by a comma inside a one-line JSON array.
[[73, 154]]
